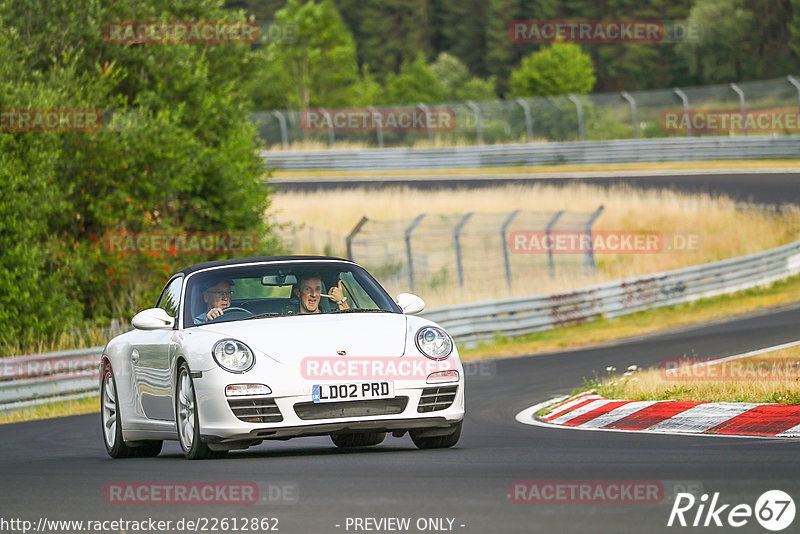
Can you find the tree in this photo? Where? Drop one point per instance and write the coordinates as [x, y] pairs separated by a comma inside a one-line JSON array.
[[463, 32], [794, 29], [772, 40], [456, 82], [320, 67], [722, 55], [175, 153], [367, 91], [387, 32], [416, 82], [502, 54], [556, 70]]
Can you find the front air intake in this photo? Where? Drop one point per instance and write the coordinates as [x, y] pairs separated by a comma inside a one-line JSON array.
[[435, 399], [256, 410]]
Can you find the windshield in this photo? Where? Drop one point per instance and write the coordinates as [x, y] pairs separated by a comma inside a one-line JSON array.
[[269, 290]]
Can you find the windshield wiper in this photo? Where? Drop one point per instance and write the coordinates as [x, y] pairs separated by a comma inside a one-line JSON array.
[[262, 315], [361, 310]]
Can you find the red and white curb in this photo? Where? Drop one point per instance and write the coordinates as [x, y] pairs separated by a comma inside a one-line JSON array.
[[589, 411]]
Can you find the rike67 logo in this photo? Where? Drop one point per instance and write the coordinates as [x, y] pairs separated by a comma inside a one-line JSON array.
[[774, 510]]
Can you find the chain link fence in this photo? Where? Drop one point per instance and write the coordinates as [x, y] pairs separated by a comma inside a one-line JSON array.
[[440, 251], [306, 239], [624, 115]]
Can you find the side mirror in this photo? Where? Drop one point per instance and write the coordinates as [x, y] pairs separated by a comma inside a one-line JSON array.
[[410, 303], [152, 319]]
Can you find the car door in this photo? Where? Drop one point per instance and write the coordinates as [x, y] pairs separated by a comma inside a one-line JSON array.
[[151, 356]]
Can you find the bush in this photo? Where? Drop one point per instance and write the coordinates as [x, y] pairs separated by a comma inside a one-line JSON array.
[[175, 154]]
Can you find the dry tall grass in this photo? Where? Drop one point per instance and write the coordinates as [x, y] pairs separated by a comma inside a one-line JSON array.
[[726, 230], [771, 377]]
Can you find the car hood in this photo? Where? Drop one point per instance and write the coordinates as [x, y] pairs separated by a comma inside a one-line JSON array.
[[288, 339]]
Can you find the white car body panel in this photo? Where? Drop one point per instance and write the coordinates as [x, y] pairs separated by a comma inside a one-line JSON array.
[[145, 365]]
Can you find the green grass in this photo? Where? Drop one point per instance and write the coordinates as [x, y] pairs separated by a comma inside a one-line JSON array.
[[55, 409]]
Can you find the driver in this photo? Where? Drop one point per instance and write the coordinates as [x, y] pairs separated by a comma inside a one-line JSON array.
[[217, 296], [309, 291]]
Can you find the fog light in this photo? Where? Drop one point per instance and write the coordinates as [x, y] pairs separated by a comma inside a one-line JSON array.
[[238, 390], [442, 376]]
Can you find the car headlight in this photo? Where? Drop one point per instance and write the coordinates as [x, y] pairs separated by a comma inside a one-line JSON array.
[[434, 343], [233, 355]]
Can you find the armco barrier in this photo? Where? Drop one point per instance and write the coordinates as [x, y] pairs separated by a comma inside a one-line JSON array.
[[53, 376], [469, 323], [30, 380], [533, 154]]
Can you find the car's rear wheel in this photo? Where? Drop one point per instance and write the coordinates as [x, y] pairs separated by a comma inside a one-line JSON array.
[[187, 419], [112, 423], [359, 439], [435, 442]]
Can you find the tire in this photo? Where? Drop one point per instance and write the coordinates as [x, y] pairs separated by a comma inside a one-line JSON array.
[[187, 421], [436, 442], [112, 424], [360, 439]]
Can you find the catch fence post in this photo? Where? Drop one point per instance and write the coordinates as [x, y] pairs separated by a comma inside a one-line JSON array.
[[504, 235], [284, 133], [579, 105], [526, 108], [409, 256], [331, 137], [551, 264], [742, 104], [378, 124], [349, 239], [478, 126], [686, 117], [627, 96], [588, 260], [457, 240]]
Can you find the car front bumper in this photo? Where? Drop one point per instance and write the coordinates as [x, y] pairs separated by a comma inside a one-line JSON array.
[[299, 416]]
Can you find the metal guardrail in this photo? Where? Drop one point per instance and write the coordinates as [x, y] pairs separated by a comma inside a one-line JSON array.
[[48, 377], [31, 380], [534, 154], [470, 323]]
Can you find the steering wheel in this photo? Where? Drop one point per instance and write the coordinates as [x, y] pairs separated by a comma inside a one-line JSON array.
[[225, 312], [237, 308]]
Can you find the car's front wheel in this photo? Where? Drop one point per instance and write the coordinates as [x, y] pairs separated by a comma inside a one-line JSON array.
[[359, 439], [112, 423], [187, 419], [435, 442]]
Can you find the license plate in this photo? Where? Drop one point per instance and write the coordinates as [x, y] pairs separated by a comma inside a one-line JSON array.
[[354, 391]]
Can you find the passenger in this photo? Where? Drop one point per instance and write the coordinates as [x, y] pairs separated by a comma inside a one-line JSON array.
[[217, 297], [309, 291]]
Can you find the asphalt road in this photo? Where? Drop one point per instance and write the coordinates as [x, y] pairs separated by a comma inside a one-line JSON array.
[[58, 469], [772, 186]]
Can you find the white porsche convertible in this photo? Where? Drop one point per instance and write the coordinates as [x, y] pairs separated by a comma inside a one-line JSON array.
[[240, 351]]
